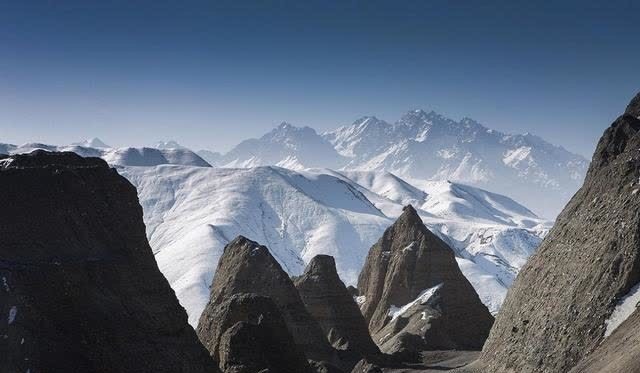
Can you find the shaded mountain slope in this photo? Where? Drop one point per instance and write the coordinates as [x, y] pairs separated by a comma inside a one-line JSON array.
[[80, 285]]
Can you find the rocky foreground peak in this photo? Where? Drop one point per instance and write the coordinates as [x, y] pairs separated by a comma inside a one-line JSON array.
[[558, 309], [248, 267], [415, 297], [330, 303], [80, 289], [247, 333]]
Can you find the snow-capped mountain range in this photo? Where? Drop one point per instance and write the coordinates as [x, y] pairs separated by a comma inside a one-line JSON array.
[[425, 146], [127, 156], [191, 213]]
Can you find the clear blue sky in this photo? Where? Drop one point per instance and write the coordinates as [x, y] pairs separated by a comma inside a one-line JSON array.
[[209, 74]]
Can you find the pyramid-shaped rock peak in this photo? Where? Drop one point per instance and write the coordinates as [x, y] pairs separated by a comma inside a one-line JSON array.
[[247, 333], [329, 302], [556, 312], [80, 285], [414, 295], [248, 267]]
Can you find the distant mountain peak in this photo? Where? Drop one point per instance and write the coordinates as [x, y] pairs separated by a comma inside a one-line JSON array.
[[169, 144], [93, 142]]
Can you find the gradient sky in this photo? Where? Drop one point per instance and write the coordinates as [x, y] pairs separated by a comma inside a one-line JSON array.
[[209, 74]]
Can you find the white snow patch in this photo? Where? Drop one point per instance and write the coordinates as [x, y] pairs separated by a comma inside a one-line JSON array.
[[422, 298], [411, 246], [626, 306], [12, 314], [360, 299]]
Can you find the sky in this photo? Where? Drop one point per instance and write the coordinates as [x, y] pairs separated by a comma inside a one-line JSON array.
[[209, 74]]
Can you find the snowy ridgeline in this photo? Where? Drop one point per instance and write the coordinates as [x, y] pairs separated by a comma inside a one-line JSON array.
[[425, 146], [192, 212]]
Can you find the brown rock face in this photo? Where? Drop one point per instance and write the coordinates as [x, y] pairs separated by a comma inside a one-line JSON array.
[[247, 267], [329, 302], [79, 288], [555, 313], [247, 334], [415, 296], [619, 353]]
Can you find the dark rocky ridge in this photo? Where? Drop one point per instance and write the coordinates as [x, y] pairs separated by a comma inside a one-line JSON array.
[[554, 315], [405, 262], [330, 303], [79, 282], [247, 334], [247, 267]]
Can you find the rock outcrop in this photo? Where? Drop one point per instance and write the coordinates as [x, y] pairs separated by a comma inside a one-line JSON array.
[[414, 295], [633, 109], [80, 290], [555, 314], [330, 303], [247, 267], [247, 334]]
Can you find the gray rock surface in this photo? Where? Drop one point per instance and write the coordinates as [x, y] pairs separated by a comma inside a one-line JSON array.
[[330, 303], [247, 267], [554, 315], [80, 290], [247, 334], [619, 352], [400, 269]]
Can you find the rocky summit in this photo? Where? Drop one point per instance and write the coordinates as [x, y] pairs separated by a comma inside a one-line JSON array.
[[247, 267], [248, 334], [80, 290], [330, 303], [558, 310], [415, 297]]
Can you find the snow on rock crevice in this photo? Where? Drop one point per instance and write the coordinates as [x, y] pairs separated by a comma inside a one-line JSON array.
[[422, 298], [625, 307]]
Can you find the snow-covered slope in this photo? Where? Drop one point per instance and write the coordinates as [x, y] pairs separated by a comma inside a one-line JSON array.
[[192, 212]]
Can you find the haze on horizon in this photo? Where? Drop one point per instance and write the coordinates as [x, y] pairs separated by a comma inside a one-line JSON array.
[[210, 74]]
